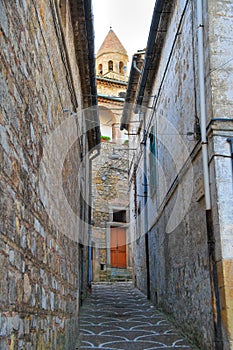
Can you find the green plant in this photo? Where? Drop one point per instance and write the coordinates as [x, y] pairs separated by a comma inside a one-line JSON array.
[[106, 138]]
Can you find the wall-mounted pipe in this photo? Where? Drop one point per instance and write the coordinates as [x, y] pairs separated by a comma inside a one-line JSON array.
[[230, 140], [216, 303], [201, 65], [135, 67], [145, 184], [90, 272]]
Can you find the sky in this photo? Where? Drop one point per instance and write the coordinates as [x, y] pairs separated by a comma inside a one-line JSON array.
[[129, 19]]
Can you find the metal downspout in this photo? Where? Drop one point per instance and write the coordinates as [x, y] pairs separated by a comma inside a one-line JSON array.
[[146, 208], [135, 67], [230, 140], [209, 220], [90, 273], [203, 118]]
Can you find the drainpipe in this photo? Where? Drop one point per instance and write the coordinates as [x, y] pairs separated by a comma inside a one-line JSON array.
[[201, 66], [135, 67], [209, 220], [90, 274], [230, 140], [146, 208]]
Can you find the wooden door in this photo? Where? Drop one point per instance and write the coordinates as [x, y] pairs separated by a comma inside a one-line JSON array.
[[118, 247]]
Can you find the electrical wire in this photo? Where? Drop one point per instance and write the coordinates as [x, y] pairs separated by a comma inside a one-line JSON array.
[[156, 98], [220, 66]]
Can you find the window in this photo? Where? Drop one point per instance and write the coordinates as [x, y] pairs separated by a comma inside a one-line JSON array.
[[100, 69], [152, 158], [119, 215], [122, 94], [121, 67], [110, 66]]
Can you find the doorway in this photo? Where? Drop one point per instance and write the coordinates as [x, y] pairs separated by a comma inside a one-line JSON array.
[[118, 247]]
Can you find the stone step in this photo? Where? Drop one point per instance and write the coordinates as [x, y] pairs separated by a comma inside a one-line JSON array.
[[120, 275]]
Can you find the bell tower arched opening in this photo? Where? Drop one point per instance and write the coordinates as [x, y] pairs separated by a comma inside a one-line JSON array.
[[121, 67], [110, 66], [100, 69]]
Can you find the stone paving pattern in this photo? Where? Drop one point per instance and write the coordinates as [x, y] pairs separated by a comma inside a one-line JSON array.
[[118, 316]]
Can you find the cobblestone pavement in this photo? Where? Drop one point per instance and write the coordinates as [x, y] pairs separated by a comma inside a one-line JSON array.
[[118, 316]]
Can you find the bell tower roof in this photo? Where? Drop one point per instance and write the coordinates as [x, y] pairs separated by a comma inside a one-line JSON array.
[[111, 44]]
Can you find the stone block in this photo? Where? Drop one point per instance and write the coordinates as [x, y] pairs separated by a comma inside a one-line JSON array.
[[4, 19]]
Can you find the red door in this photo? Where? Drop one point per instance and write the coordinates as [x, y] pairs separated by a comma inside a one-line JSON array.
[[118, 247]]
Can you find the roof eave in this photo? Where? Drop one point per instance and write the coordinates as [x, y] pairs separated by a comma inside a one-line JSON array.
[[82, 21], [154, 47], [131, 92]]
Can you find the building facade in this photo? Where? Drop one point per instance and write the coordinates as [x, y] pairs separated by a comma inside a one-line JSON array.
[[110, 231], [47, 80], [179, 110]]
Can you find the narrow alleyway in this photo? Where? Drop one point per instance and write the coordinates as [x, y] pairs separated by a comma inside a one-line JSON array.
[[118, 316]]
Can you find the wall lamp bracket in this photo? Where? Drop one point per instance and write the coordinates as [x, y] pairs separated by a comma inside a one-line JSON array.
[[66, 110]]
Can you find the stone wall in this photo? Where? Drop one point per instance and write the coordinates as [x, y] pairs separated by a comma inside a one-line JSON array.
[[220, 22], [180, 277], [179, 267], [40, 274], [109, 192], [190, 269]]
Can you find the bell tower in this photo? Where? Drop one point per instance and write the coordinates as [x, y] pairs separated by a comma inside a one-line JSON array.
[[112, 80], [112, 58]]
